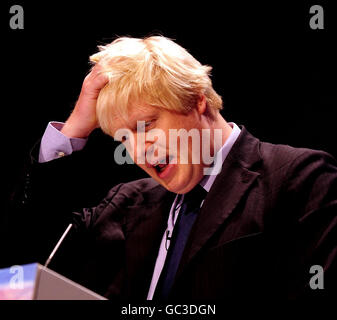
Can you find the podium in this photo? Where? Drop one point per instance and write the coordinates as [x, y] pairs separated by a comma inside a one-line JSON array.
[[35, 282]]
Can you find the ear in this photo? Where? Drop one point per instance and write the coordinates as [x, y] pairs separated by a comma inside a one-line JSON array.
[[202, 105]]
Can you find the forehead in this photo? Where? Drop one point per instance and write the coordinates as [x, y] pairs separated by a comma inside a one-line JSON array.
[[136, 112]]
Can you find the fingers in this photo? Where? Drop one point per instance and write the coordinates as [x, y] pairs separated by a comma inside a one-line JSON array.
[[95, 81]]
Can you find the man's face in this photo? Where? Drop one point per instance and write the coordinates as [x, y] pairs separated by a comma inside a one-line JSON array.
[[156, 152]]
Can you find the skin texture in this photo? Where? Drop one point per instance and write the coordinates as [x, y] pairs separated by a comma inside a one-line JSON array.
[[83, 120], [179, 177]]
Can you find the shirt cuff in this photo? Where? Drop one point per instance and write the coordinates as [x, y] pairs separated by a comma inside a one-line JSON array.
[[54, 144]]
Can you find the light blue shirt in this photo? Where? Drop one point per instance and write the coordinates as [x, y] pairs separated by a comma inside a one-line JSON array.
[[54, 144]]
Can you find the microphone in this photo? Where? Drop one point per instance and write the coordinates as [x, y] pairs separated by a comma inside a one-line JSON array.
[[57, 246], [168, 238]]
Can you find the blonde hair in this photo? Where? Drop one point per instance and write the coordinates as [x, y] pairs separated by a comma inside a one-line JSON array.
[[154, 70]]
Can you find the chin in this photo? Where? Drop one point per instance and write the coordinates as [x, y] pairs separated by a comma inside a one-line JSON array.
[[177, 184], [180, 189], [171, 187]]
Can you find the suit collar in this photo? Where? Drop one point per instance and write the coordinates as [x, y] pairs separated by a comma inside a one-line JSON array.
[[219, 158]]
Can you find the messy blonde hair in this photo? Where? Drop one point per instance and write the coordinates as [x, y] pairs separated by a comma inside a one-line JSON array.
[[154, 70]]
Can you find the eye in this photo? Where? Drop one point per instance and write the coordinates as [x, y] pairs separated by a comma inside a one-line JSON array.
[[149, 123]]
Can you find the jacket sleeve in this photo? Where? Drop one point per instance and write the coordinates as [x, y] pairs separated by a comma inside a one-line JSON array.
[[43, 201], [311, 189]]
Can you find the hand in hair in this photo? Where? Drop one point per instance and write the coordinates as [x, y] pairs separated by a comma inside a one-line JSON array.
[[83, 120]]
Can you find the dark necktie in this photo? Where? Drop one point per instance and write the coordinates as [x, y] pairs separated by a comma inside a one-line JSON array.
[[187, 215]]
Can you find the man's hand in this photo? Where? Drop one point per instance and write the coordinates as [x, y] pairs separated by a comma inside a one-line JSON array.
[[82, 120]]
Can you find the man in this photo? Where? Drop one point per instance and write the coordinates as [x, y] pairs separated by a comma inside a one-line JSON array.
[[248, 224]]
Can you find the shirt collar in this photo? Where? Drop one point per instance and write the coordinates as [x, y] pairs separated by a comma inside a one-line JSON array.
[[208, 180]]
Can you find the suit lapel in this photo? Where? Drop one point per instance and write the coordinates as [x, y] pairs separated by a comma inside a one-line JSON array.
[[144, 232], [228, 188]]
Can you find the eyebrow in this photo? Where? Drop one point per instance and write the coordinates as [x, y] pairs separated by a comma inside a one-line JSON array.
[[141, 117]]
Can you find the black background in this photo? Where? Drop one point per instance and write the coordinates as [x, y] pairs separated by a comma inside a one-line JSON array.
[[276, 75]]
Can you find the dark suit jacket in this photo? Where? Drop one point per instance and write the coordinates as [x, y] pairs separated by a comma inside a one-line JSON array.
[[269, 216]]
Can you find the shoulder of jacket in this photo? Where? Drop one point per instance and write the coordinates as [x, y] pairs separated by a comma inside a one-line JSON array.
[[137, 192]]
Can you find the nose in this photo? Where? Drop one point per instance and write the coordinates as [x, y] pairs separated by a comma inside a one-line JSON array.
[[144, 150], [150, 147], [149, 154]]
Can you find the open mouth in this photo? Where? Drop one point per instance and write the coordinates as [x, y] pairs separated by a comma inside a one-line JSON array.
[[161, 165]]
